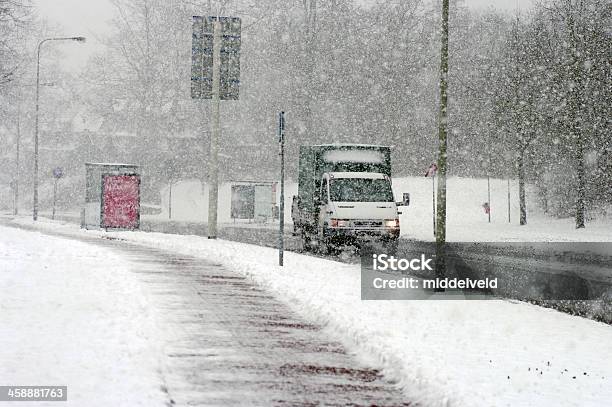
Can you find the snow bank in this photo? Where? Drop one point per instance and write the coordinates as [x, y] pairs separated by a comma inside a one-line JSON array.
[[71, 314], [452, 353]]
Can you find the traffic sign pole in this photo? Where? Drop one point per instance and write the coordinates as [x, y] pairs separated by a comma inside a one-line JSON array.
[[281, 222], [170, 200], [508, 200], [215, 77], [213, 170], [54, 197]]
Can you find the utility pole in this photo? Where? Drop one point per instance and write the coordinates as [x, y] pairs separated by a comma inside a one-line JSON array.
[[281, 218], [213, 168], [442, 140]]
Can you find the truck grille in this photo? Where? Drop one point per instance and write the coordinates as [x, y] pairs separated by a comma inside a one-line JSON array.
[[368, 223]]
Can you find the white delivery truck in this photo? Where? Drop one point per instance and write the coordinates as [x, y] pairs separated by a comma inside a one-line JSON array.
[[345, 196]]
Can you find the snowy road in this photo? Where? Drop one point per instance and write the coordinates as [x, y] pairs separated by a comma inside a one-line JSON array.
[[568, 270], [226, 341]]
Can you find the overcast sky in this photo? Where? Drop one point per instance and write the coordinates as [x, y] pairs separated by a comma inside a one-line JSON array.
[[88, 18], [85, 18]]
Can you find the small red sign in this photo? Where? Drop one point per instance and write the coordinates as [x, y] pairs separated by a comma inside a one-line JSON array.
[[487, 208], [121, 201]]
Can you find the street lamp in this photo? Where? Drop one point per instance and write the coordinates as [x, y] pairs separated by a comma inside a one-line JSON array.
[[35, 199]]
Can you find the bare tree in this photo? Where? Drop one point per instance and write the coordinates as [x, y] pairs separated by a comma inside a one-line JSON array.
[[14, 20]]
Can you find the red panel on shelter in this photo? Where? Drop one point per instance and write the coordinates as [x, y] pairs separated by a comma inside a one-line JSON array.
[[121, 200]]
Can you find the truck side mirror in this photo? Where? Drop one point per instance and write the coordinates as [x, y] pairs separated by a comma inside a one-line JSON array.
[[405, 200]]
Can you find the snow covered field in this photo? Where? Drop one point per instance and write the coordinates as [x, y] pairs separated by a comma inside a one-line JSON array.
[[466, 218], [71, 314], [450, 353], [468, 222]]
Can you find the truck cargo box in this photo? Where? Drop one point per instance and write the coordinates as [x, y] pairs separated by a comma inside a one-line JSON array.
[[319, 159]]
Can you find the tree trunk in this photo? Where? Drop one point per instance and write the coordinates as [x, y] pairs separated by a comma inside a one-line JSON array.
[[521, 177], [574, 103], [308, 89], [442, 157], [581, 183], [170, 200]]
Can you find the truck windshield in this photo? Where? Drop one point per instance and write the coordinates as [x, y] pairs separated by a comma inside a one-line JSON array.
[[360, 190]]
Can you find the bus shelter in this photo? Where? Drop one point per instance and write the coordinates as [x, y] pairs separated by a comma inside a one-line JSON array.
[[112, 196]]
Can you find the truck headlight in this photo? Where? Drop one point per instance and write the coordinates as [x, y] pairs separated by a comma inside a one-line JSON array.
[[392, 223], [339, 223]]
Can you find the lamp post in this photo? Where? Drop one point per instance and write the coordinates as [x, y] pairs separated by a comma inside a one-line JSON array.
[[35, 199], [16, 181]]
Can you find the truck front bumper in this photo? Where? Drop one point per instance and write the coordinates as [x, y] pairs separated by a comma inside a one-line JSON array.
[[361, 234]]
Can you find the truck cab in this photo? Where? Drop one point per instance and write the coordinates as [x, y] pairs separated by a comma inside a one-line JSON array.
[[356, 205]]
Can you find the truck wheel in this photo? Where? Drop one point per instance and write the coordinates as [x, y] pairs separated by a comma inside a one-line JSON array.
[[391, 246], [324, 244], [324, 248], [306, 241]]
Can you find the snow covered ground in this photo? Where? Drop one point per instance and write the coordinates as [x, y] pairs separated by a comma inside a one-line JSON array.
[[451, 353], [71, 314], [467, 220]]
